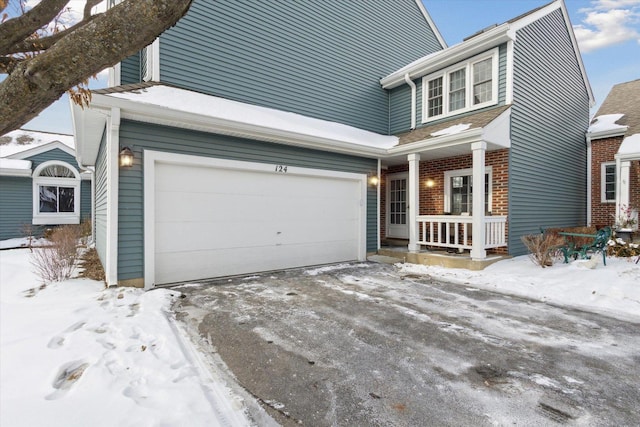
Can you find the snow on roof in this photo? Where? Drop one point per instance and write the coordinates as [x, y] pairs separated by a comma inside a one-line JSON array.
[[253, 115], [22, 140], [606, 123], [630, 145], [452, 130], [15, 164]]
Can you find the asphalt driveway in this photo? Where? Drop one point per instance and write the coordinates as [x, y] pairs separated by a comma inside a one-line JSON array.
[[362, 345]]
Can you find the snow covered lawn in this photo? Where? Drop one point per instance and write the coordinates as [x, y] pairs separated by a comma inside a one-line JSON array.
[[76, 354], [613, 290]]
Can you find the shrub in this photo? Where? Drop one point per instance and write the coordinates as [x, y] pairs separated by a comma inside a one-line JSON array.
[[542, 247], [55, 262], [619, 248]]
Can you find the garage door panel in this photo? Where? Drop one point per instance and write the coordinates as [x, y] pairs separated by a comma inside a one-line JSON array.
[[212, 221], [220, 235], [232, 261]]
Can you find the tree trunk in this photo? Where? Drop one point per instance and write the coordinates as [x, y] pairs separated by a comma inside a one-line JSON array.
[[36, 83]]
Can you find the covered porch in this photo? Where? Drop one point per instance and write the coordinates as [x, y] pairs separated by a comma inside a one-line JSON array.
[[428, 196]]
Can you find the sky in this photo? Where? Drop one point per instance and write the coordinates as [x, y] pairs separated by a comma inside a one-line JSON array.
[[608, 33]]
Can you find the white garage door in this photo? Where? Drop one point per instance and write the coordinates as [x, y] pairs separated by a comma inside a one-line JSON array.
[[238, 217]]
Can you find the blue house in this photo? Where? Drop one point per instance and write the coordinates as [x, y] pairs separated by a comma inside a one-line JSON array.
[[276, 135], [41, 183]]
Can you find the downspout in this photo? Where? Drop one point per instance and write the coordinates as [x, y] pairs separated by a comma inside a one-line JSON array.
[[412, 85], [378, 207], [589, 184]]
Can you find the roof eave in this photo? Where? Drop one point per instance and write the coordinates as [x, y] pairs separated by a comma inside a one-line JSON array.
[[451, 55], [160, 115]]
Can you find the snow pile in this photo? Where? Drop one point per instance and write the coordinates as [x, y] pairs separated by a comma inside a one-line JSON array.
[[15, 164], [606, 123], [255, 116], [77, 354], [21, 140], [613, 290], [630, 145], [452, 130]]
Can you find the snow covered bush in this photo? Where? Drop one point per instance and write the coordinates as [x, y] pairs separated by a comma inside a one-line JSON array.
[[619, 248], [542, 247], [55, 262]]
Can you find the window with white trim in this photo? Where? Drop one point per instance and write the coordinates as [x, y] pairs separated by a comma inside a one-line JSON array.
[[56, 194], [458, 191], [462, 87], [608, 183]]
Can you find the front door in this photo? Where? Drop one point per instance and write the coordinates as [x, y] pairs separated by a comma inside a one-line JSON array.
[[397, 208]]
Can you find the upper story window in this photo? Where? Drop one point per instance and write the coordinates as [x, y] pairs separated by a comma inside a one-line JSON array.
[[56, 194], [463, 87]]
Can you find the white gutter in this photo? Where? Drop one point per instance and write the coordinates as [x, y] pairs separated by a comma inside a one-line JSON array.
[[449, 56], [412, 85], [589, 174]]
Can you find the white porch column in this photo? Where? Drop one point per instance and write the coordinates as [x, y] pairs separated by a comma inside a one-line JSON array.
[[477, 227], [413, 191], [622, 194]]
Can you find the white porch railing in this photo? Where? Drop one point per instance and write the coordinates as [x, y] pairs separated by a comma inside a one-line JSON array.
[[454, 231]]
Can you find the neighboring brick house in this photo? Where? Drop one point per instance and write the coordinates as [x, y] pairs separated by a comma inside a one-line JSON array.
[[614, 152]]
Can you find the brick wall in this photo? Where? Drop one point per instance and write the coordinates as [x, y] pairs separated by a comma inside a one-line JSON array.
[[432, 198]]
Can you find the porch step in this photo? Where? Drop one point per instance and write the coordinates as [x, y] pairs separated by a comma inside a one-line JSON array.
[[441, 259]]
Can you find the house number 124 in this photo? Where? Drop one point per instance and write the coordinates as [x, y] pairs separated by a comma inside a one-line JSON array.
[[281, 168]]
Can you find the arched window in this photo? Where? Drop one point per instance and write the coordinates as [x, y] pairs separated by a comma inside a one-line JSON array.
[[56, 194]]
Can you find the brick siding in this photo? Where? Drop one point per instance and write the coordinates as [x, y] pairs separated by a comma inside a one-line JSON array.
[[432, 198], [604, 151]]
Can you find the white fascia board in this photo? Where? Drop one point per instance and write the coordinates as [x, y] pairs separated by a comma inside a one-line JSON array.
[[608, 133], [42, 149], [558, 4], [147, 113], [88, 126], [452, 55], [433, 26], [15, 167], [466, 137]]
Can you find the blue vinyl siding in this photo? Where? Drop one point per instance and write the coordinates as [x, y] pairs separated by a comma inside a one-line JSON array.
[[100, 214], [16, 206], [130, 70], [550, 115], [400, 99], [318, 58], [142, 136]]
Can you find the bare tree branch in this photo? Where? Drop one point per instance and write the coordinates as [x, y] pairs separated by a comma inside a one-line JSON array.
[[87, 8], [44, 43], [109, 38], [21, 27]]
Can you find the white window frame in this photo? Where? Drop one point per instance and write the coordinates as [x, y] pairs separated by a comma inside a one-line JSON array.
[[445, 75], [603, 182], [56, 218], [465, 172]]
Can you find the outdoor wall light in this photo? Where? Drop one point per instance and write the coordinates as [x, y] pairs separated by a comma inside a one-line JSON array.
[[373, 180], [429, 183], [126, 157]]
